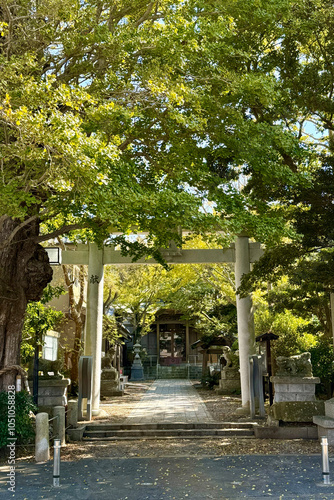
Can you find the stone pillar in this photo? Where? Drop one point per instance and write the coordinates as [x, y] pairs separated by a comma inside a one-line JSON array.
[[59, 424], [72, 413], [42, 449], [246, 335], [94, 316]]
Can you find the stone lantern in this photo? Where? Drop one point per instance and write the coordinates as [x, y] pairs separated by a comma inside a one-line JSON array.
[[137, 372]]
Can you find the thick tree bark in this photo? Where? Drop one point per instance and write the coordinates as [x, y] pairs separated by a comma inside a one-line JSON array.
[[24, 273]]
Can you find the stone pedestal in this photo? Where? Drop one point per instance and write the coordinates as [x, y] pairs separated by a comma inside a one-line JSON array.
[[294, 399], [51, 392], [296, 411], [229, 382], [110, 386], [294, 388], [325, 422], [137, 371]]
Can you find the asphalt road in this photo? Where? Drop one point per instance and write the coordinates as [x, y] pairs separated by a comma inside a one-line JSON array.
[[183, 478]]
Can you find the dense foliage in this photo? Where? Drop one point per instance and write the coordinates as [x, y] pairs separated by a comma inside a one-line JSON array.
[[155, 96], [299, 331], [89, 113], [24, 425]]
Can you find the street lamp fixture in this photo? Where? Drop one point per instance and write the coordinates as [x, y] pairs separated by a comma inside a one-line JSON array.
[[54, 254]]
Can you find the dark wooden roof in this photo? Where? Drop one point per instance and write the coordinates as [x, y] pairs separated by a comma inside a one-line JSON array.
[[266, 336], [216, 341]]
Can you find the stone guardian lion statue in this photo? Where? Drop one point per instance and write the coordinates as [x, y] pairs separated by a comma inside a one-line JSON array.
[[294, 366]]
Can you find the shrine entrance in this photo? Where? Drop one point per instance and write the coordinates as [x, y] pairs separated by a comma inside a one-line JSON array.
[[242, 254], [169, 341], [172, 345]]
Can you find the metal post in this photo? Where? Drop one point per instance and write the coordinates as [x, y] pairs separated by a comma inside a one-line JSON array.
[[331, 295], [56, 462], [262, 411], [325, 460]]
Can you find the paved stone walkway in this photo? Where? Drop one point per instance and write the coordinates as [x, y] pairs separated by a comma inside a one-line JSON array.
[[170, 401]]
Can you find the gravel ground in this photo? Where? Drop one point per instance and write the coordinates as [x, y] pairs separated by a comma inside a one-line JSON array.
[[222, 408], [116, 409]]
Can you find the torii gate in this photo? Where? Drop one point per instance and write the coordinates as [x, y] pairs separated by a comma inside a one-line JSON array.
[[242, 254]]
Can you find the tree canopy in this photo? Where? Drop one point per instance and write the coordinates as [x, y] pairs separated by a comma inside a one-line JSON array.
[[130, 115], [99, 128], [159, 114]]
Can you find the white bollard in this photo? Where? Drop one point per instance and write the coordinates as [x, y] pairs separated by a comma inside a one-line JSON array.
[[325, 460], [42, 449], [56, 462]]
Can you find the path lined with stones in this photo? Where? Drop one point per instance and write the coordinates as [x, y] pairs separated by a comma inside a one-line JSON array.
[[172, 401]]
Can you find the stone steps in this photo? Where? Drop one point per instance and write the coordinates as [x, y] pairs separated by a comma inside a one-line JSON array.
[[172, 425], [167, 430]]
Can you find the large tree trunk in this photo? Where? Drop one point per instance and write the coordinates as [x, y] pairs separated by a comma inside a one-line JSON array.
[[24, 273]]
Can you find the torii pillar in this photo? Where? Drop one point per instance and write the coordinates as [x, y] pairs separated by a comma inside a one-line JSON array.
[[94, 319], [245, 317]]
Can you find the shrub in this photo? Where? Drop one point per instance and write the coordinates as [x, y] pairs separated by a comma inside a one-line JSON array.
[[292, 330], [294, 338], [24, 429], [322, 358], [211, 380]]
